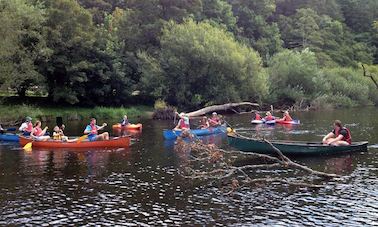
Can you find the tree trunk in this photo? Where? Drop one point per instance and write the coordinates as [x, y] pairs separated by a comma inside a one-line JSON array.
[[220, 108]]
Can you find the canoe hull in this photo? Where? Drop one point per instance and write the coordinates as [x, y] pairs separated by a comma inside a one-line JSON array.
[[9, 137], [293, 122], [257, 122], [293, 148], [121, 142], [173, 134]]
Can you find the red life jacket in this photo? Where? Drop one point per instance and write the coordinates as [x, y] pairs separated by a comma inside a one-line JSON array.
[[269, 118], [38, 131], [288, 118], [94, 130], [258, 117], [184, 125], [347, 138], [29, 127]]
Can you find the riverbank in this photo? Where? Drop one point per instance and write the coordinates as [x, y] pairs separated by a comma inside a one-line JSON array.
[[14, 114]]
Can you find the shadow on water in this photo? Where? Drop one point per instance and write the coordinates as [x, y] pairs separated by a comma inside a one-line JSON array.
[[140, 185]]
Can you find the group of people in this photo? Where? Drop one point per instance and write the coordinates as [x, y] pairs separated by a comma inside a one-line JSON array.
[[269, 117], [36, 132], [205, 123]]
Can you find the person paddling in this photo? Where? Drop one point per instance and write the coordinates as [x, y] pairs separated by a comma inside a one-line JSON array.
[[27, 127], [340, 136], [286, 117], [125, 121], [269, 117], [204, 123], [257, 117], [37, 132], [214, 120], [183, 123], [92, 131]]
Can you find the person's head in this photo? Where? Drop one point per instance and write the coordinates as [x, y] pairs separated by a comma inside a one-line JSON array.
[[93, 121], [182, 115], [204, 118], [28, 119], [286, 113], [337, 124], [63, 127], [268, 113], [125, 117], [214, 114], [37, 124], [56, 129]]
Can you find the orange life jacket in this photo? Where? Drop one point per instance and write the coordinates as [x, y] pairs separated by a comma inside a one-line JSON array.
[[347, 138]]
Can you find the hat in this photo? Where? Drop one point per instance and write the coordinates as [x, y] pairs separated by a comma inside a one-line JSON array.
[[214, 113], [28, 118], [182, 114]]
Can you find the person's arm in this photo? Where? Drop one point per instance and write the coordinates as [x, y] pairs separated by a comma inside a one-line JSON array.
[[330, 135], [22, 127], [87, 130], [102, 127], [32, 132], [44, 131], [339, 138]]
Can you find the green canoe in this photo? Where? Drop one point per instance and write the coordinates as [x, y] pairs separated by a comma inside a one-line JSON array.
[[293, 147]]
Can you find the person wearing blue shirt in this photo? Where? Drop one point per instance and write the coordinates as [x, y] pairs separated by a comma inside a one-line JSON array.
[[92, 131]]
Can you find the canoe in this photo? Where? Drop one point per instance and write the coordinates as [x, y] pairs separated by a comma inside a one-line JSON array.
[[272, 122], [119, 142], [173, 134], [293, 122], [293, 147], [9, 137], [257, 122], [128, 127]]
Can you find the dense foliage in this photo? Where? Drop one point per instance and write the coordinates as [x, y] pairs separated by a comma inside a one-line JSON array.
[[190, 53]]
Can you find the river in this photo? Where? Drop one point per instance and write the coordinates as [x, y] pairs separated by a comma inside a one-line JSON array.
[[140, 185]]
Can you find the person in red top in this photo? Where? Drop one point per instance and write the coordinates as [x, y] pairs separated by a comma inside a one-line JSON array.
[[286, 117], [183, 123], [269, 117], [340, 136], [214, 121], [37, 132], [258, 117], [26, 127]]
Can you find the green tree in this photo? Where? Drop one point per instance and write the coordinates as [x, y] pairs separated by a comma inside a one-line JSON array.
[[203, 65], [22, 45]]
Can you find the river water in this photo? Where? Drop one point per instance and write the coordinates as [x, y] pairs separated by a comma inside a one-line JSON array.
[[140, 185]]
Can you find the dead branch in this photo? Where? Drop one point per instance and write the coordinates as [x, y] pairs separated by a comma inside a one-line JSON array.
[[223, 107], [371, 76]]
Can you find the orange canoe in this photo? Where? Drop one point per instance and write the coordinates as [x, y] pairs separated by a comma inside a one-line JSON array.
[[128, 127], [119, 142]]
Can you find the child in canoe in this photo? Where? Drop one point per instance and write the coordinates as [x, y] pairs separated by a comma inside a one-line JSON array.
[[204, 124], [215, 121], [58, 134], [38, 133], [183, 123], [125, 121]]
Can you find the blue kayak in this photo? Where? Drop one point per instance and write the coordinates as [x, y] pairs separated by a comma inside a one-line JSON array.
[[9, 137], [173, 134]]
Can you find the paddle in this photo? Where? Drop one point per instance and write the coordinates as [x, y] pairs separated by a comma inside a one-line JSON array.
[[82, 138], [28, 146]]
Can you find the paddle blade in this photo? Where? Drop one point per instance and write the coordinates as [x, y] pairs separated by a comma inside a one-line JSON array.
[[28, 146], [81, 138]]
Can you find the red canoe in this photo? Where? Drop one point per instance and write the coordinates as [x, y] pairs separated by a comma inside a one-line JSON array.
[[119, 142], [128, 127]]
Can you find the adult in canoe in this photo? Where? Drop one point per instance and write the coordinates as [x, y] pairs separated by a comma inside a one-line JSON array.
[[269, 117], [183, 123], [204, 123], [92, 131], [215, 121], [27, 127], [125, 121], [340, 136], [38, 133], [286, 117]]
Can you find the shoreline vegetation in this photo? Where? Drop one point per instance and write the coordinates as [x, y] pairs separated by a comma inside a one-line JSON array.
[[14, 114]]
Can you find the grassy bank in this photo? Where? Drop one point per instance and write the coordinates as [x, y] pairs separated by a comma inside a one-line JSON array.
[[15, 113]]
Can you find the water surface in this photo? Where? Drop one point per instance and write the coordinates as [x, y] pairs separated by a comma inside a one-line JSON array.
[[140, 185]]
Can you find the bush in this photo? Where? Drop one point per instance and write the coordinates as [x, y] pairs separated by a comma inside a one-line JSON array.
[[332, 101]]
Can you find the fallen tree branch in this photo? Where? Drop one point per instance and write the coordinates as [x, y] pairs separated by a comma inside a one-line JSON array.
[[223, 107], [371, 76]]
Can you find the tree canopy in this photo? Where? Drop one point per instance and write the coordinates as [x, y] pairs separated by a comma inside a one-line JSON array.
[[188, 53]]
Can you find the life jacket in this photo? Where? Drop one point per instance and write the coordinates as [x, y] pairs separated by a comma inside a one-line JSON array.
[[93, 129], [214, 121], [287, 118], [269, 118], [38, 131], [29, 127], [258, 117], [184, 124], [347, 138], [57, 136]]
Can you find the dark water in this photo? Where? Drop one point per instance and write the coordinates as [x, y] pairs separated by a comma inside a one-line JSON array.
[[140, 186]]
